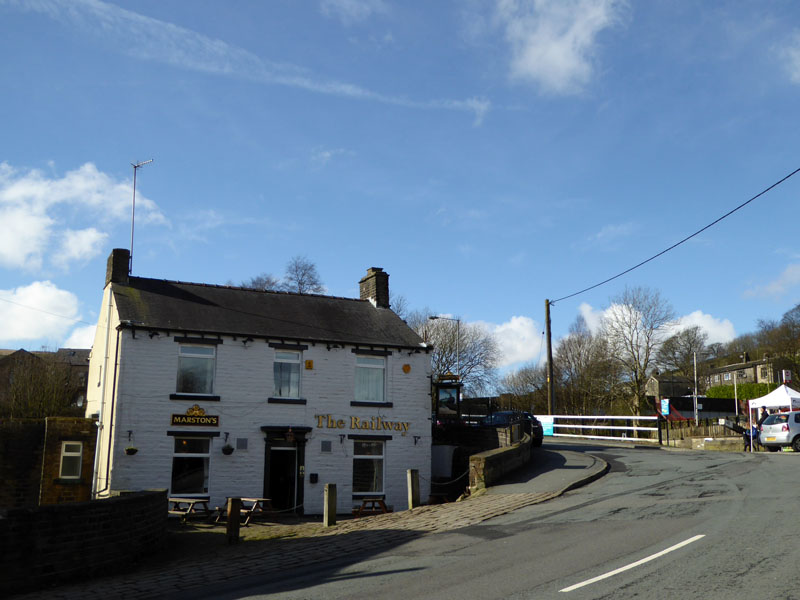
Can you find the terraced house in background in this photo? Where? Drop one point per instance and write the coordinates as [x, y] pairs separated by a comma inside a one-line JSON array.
[[216, 391]]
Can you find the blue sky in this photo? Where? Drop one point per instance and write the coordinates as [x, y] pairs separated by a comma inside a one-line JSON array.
[[487, 155]]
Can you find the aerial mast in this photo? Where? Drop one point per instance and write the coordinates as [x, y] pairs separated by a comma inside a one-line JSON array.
[[136, 167]]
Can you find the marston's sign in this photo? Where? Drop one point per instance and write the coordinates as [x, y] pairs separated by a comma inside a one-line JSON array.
[[371, 423], [196, 416]]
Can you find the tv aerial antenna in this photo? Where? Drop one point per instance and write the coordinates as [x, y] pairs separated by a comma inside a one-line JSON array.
[[136, 167]]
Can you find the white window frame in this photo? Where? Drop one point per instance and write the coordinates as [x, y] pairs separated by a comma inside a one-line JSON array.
[[185, 350], [381, 457], [362, 362], [204, 455], [726, 377], [285, 360], [70, 455]]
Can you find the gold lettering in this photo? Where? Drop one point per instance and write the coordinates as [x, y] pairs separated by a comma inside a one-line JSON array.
[[355, 423], [340, 423], [319, 419], [331, 422], [387, 424]]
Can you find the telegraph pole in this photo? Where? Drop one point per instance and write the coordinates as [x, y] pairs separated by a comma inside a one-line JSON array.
[[550, 403]]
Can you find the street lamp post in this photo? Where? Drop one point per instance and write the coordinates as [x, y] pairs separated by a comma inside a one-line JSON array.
[[458, 341]]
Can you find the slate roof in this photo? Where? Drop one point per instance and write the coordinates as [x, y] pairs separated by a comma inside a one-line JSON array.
[[201, 308]]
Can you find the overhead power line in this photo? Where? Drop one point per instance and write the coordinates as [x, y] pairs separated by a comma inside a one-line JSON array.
[[686, 239]]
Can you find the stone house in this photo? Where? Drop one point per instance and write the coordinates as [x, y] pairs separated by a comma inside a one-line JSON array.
[[227, 392]]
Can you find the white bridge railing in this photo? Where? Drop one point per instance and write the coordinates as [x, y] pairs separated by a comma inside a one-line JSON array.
[[602, 427]]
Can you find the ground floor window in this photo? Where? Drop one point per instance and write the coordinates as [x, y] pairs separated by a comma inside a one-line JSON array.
[[190, 466], [71, 454], [367, 467]]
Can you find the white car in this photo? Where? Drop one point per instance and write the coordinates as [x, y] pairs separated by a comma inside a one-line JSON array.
[[781, 429]]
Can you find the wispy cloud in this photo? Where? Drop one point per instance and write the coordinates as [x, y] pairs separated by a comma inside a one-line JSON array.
[[554, 42], [790, 54], [322, 156], [519, 339], [790, 278], [146, 38], [353, 11], [31, 211], [611, 233]]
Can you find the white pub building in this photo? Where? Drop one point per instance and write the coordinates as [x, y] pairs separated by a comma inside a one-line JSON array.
[[216, 391]]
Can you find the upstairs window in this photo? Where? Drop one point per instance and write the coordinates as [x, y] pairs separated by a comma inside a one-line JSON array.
[[71, 455], [286, 369], [196, 366], [370, 371]]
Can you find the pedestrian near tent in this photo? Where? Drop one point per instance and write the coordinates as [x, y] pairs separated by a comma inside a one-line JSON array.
[[762, 417]]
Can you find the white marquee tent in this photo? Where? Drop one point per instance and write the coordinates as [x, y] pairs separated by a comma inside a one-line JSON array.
[[781, 397]]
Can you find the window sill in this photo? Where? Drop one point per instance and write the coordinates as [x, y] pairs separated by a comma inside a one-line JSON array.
[[376, 404], [286, 401], [207, 397], [69, 481]]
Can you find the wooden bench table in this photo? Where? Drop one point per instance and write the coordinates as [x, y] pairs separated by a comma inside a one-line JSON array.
[[374, 505], [250, 507], [186, 507]]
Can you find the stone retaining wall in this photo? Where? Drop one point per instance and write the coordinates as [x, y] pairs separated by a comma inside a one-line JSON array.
[[57, 543], [486, 468]]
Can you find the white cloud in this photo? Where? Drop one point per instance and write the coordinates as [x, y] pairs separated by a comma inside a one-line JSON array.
[[32, 203], [145, 38], [79, 245], [718, 330], [553, 42], [353, 11], [592, 316], [519, 339], [790, 278], [790, 54], [37, 311], [81, 337]]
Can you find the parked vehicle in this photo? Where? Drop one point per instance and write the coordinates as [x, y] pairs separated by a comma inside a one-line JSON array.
[[504, 418], [781, 429]]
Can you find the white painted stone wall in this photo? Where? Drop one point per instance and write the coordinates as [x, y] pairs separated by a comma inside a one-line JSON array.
[[147, 375]]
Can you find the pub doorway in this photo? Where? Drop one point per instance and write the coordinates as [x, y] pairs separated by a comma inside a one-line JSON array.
[[283, 478], [284, 466]]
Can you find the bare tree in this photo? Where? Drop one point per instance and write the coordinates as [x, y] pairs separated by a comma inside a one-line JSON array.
[[460, 348], [678, 352], [588, 379], [263, 282], [526, 388], [302, 277], [634, 327], [35, 386]]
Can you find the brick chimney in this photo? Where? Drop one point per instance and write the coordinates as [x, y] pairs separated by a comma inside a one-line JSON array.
[[375, 287], [117, 266]]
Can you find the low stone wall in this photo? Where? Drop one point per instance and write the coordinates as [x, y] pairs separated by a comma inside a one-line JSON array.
[[487, 468], [57, 543]]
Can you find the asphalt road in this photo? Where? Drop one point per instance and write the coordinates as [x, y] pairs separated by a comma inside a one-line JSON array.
[[660, 524]]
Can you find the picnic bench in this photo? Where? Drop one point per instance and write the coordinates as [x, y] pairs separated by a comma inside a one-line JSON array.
[[372, 505], [250, 507], [186, 507]]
